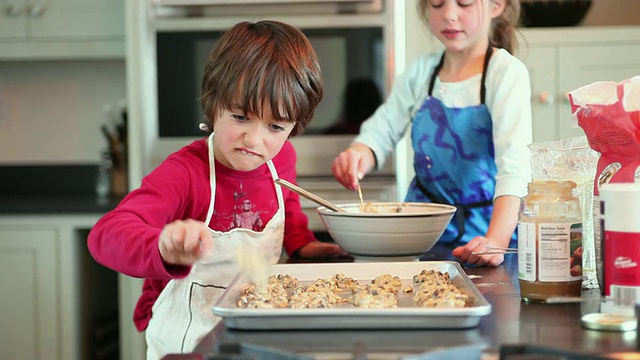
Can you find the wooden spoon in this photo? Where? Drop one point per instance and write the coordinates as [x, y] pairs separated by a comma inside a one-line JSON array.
[[316, 199], [360, 195]]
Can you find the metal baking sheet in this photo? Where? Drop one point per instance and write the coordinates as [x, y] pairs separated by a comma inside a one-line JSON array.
[[405, 316]]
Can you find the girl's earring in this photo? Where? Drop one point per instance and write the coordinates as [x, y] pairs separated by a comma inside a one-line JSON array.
[[204, 127]]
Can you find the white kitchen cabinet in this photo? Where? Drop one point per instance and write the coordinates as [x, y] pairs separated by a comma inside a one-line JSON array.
[[61, 29], [582, 65], [565, 59], [542, 71], [52, 290], [29, 306]]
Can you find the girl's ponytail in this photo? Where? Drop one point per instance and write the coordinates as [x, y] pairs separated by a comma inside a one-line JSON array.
[[503, 32]]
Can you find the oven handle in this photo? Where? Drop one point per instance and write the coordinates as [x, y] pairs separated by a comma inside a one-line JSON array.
[[250, 2]]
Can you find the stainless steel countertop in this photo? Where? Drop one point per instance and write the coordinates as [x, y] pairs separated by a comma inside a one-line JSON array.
[[512, 321]]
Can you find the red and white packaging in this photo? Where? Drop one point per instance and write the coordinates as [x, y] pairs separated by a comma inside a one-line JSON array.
[[609, 114], [620, 210]]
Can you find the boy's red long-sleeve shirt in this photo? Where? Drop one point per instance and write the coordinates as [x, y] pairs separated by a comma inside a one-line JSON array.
[[126, 238]]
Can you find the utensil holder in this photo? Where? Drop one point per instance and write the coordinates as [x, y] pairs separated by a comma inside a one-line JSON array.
[[119, 183]]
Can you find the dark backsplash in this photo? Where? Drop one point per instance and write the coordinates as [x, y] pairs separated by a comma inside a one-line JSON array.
[[48, 181]]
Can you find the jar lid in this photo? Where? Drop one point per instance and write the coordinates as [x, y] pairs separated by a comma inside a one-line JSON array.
[[609, 322]]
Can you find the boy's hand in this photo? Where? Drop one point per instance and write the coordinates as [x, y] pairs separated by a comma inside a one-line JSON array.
[[352, 164], [183, 242], [477, 244], [319, 249]]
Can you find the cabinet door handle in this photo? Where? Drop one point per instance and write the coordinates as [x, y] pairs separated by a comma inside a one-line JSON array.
[[12, 11], [544, 98], [36, 11]]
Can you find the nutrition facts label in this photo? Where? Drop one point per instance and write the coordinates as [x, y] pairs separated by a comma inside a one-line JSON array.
[[549, 248], [554, 253]]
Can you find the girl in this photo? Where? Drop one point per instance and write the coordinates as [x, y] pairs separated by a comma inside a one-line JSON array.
[[470, 115], [177, 230]]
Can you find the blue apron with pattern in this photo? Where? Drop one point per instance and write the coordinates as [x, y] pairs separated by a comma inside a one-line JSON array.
[[454, 161]]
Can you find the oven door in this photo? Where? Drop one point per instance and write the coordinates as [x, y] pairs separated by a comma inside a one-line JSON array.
[[355, 52]]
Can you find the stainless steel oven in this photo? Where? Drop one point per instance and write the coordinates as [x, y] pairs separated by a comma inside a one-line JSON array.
[[353, 39]]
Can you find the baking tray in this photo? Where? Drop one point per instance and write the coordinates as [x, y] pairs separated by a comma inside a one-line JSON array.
[[405, 316]]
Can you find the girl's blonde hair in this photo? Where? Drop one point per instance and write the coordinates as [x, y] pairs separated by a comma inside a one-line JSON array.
[[503, 27]]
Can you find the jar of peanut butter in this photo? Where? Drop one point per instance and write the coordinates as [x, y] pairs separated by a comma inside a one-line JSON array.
[[550, 241]]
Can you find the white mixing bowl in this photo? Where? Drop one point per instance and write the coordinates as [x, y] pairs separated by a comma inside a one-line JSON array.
[[388, 234]]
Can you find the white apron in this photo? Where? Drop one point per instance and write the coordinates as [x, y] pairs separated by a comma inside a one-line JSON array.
[[183, 313]]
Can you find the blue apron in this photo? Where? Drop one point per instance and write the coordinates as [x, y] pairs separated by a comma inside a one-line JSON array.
[[455, 161]]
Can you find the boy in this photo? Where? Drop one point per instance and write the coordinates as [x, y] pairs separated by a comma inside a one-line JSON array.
[[261, 85]]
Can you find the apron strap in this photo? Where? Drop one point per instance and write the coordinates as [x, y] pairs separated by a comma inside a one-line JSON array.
[[436, 71], [483, 87], [462, 210], [485, 65]]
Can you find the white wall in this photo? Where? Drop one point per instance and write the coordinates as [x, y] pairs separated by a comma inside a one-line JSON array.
[[51, 112]]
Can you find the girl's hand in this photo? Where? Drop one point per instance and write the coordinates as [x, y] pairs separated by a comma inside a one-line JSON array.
[[319, 249], [478, 244], [183, 242], [352, 164]]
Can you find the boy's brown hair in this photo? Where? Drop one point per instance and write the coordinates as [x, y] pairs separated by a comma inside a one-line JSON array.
[[266, 61]]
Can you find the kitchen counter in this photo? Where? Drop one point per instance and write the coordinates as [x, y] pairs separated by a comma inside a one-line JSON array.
[[57, 205], [511, 322], [51, 190]]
